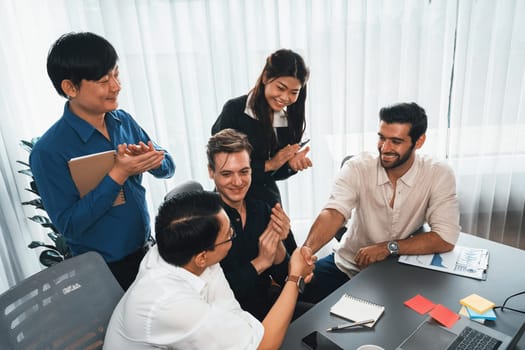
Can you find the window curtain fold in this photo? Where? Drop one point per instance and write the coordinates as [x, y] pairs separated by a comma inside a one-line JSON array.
[[181, 60]]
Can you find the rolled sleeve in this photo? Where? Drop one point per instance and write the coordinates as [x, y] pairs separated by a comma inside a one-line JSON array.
[[443, 210], [344, 196]]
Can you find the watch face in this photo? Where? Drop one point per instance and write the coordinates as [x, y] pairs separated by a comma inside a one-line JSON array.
[[393, 247], [300, 284]]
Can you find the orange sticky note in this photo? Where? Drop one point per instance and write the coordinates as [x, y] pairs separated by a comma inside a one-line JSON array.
[[420, 304], [444, 315], [477, 303]]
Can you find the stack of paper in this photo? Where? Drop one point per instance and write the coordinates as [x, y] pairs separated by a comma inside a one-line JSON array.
[[463, 261], [478, 308]]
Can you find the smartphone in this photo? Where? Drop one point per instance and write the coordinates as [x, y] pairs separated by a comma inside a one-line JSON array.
[[301, 144], [318, 341]]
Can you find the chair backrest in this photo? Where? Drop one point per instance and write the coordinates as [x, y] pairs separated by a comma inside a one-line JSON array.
[[186, 186], [345, 159], [65, 306], [339, 234]]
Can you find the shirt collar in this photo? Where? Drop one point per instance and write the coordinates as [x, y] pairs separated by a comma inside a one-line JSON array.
[[409, 178], [248, 202], [82, 127], [279, 118], [153, 260]]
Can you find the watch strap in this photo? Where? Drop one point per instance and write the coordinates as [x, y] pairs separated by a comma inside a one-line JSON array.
[[292, 278], [298, 280]]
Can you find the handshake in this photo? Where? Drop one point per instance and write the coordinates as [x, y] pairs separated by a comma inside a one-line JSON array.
[[302, 263]]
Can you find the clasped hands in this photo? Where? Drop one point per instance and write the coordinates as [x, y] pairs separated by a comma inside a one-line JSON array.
[[271, 248], [135, 159], [371, 254], [297, 160]]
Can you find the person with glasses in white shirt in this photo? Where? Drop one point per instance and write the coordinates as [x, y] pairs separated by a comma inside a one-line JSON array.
[[181, 298]]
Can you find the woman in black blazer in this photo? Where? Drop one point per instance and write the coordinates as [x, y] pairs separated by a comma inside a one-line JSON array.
[[272, 115]]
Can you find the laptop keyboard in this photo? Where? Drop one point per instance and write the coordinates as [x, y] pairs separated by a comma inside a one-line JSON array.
[[471, 339]]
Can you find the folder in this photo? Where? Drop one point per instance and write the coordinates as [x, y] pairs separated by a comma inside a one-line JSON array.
[[87, 172]]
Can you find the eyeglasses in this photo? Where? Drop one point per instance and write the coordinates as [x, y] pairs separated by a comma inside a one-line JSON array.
[[233, 234]]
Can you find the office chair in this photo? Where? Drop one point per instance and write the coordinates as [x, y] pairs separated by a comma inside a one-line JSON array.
[[185, 186], [343, 228], [65, 306]]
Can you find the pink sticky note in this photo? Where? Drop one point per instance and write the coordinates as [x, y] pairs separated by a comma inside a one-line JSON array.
[[420, 304], [444, 316]]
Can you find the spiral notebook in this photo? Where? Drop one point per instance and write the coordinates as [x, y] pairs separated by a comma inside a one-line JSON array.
[[356, 309]]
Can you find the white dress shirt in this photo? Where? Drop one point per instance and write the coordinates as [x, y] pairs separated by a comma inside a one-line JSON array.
[[168, 307], [363, 191]]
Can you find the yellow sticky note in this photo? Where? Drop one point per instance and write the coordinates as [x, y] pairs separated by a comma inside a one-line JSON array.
[[477, 303]]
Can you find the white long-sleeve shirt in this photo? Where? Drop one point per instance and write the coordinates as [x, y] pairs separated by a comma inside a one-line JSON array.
[[168, 307]]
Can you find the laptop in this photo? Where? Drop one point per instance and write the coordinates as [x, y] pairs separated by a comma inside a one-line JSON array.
[[430, 335]]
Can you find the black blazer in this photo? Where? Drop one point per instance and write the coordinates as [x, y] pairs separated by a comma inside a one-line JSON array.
[[264, 185]]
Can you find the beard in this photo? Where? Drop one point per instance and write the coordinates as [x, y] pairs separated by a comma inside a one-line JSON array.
[[401, 159]]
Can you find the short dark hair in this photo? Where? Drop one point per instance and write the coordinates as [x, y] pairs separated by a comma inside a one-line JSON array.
[[77, 56], [406, 113], [187, 224], [227, 141]]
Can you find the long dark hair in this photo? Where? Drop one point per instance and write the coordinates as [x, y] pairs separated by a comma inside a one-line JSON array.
[[281, 63]]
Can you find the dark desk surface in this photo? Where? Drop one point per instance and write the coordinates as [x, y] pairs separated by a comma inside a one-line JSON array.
[[390, 283]]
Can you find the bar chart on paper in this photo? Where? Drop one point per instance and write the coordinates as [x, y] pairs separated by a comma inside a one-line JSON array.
[[463, 261]]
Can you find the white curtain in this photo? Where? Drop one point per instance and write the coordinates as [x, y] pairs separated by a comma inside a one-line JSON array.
[[180, 60]]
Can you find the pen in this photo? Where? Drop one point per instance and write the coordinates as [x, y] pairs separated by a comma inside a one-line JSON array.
[[301, 144], [349, 325]]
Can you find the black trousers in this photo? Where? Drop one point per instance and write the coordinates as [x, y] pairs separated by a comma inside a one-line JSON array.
[[125, 270]]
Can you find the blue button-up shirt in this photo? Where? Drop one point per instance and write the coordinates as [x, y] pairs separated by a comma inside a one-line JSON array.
[[92, 222]]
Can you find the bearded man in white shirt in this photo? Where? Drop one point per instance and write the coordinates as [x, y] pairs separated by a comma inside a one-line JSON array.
[[181, 299], [388, 197]]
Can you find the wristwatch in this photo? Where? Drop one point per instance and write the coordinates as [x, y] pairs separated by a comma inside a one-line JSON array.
[[298, 280], [393, 248]]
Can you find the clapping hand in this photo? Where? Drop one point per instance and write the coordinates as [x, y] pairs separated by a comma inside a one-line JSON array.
[[280, 222], [269, 242], [280, 158], [300, 161], [139, 148], [135, 159]]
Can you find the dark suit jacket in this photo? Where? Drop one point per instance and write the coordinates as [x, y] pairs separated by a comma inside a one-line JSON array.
[[264, 185]]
